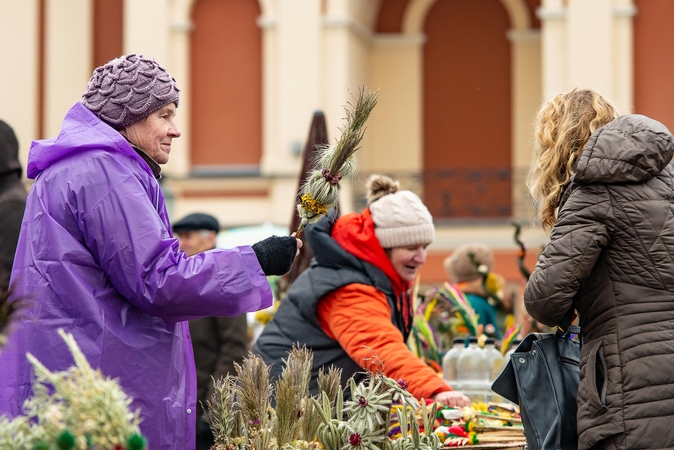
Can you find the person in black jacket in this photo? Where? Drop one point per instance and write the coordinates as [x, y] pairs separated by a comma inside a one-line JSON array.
[[218, 342], [12, 199]]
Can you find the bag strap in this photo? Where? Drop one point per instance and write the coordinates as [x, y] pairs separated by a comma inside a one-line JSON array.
[[565, 326]]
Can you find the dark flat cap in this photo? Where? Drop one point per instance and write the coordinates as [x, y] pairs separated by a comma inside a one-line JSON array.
[[196, 221]]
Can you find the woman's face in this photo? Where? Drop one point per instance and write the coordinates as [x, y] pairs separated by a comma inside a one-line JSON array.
[[154, 134], [407, 260]]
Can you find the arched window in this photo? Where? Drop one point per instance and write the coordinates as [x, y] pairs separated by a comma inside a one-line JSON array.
[[467, 110], [226, 87]]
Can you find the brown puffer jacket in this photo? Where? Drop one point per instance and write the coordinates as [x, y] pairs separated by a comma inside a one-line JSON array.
[[611, 257]]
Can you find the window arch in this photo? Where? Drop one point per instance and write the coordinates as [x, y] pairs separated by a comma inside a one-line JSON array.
[[467, 110], [226, 86]]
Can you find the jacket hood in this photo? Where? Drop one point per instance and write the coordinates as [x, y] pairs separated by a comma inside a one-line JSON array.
[[9, 151], [630, 149], [81, 131]]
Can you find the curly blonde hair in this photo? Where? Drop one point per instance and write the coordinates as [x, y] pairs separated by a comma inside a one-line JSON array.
[[562, 127]]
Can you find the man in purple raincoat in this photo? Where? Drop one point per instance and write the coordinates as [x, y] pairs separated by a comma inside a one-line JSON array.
[[97, 258]]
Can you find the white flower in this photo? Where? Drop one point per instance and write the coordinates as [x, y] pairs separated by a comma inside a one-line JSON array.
[[53, 415]]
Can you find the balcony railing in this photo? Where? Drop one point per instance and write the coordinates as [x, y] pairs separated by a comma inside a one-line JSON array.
[[470, 194]]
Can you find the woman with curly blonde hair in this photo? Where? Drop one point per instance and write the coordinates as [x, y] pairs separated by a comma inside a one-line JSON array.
[[605, 187], [560, 136]]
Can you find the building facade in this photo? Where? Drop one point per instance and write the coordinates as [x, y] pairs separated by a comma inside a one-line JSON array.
[[459, 83]]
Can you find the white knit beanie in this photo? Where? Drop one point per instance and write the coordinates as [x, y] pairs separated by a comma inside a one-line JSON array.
[[400, 218]]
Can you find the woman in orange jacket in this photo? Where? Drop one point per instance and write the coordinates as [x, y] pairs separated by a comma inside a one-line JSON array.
[[353, 307]]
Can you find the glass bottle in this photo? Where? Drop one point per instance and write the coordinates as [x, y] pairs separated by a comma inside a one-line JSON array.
[[451, 359], [471, 369], [494, 358]]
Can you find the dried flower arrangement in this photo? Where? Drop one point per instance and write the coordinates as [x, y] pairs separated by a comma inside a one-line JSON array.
[[241, 416], [75, 409], [321, 190]]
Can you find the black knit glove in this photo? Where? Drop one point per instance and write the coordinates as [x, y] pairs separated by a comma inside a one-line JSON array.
[[276, 254]]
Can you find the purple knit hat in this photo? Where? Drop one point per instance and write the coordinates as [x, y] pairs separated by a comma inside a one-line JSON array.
[[128, 89]]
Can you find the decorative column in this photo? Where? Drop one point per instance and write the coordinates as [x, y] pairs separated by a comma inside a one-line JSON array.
[[291, 82], [146, 28], [345, 67], [178, 64], [590, 45], [18, 97], [623, 64], [396, 125], [526, 99], [553, 15], [68, 58]]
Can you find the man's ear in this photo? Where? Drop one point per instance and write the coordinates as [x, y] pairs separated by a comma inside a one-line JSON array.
[[213, 238]]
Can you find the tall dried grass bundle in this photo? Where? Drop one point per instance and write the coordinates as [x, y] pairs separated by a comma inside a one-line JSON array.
[[222, 417], [253, 395], [291, 388], [321, 191]]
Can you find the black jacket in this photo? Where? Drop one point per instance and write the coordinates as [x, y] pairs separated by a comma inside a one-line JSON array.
[[296, 321], [611, 257], [218, 342], [12, 198]]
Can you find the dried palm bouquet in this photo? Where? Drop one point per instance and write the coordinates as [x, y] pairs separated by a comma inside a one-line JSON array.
[[241, 416], [75, 409], [321, 191]]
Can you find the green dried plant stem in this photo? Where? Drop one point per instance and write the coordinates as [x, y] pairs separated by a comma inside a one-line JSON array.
[[429, 418], [414, 425], [287, 426], [222, 416], [321, 408], [365, 103], [299, 363], [309, 421], [253, 392], [291, 389], [242, 433], [353, 131], [402, 419], [339, 161], [329, 435], [339, 404], [329, 382]]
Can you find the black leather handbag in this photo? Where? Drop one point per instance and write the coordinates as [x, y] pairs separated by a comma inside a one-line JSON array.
[[542, 377]]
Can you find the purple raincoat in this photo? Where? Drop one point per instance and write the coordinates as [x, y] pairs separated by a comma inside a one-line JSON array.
[[97, 258]]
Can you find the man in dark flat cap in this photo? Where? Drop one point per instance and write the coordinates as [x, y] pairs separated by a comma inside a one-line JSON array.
[[218, 342]]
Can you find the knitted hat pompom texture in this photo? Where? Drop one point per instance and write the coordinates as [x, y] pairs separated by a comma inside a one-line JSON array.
[[128, 89], [400, 218]]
